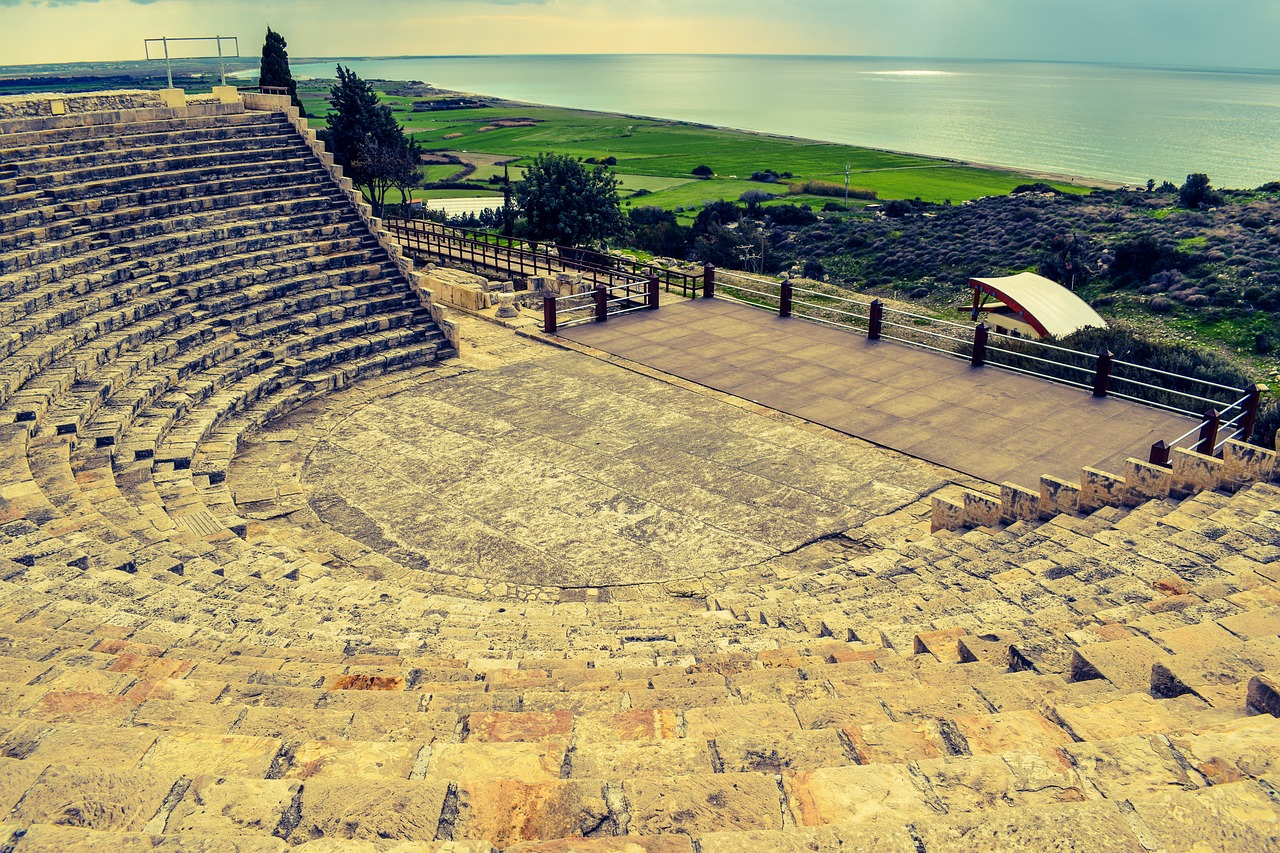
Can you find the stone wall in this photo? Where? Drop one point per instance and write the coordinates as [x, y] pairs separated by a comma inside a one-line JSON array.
[[282, 104], [46, 104], [1190, 472]]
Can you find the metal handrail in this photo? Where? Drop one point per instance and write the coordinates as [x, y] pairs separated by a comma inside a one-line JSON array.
[[825, 308], [1042, 344], [756, 292], [930, 319], [926, 332], [1036, 358], [1177, 376], [1057, 379], [830, 296]]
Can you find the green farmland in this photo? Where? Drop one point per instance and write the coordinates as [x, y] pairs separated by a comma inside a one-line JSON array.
[[656, 158]]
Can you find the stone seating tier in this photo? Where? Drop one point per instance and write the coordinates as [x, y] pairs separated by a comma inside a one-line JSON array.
[[192, 658]]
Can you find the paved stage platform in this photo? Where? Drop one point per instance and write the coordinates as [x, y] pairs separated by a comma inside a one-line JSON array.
[[983, 421]]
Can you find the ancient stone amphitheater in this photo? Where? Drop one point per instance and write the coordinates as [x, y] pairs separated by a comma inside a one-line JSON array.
[[287, 558]]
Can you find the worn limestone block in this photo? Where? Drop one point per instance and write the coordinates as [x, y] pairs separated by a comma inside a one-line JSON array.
[[1010, 731], [1128, 767], [224, 755], [1083, 827], [215, 805], [1196, 470], [1125, 663], [100, 746], [981, 510], [802, 750], [882, 836], [896, 742], [1264, 695], [1233, 816], [1147, 480], [610, 844], [95, 798], [458, 289], [944, 645], [948, 514], [1018, 503], [1248, 462], [1101, 488], [74, 706], [1131, 714], [530, 763], [1058, 495], [45, 838], [631, 758], [1246, 747], [348, 759], [504, 811], [774, 719], [16, 777], [857, 793], [1254, 624], [704, 803], [974, 783], [360, 809], [294, 724], [173, 98], [639, 724], [501, 727]]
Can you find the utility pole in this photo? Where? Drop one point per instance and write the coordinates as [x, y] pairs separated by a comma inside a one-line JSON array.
[[847, 167]]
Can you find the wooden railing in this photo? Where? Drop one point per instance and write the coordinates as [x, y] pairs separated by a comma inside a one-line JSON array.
[[527, 258]]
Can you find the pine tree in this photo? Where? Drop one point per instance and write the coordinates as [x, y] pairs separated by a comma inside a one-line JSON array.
[[365, 139], [274, 70]]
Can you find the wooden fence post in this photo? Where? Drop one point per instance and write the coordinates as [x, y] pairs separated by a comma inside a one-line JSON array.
[[708, 281], [979, 345], [784, 299], [653, 293], [1159, 454], [1102, 374], [602, 303], [549, 314], [875, 318], [1251, 405], [1209, 432]]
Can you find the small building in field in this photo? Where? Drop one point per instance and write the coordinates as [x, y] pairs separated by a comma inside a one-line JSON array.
[[1031, 305]]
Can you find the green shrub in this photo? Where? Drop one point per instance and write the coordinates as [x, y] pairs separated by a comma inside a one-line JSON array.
[[828, 188]]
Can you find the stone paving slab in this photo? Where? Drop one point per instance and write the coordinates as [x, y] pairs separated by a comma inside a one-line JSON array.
[[543, 468], [985, 422]]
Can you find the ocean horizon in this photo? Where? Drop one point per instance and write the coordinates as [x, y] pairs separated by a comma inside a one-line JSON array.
[[1104, 121]]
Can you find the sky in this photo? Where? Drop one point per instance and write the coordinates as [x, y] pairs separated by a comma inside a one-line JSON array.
[[1167, 33]]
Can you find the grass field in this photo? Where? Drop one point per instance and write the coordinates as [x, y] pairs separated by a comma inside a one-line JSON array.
[[659, 156]]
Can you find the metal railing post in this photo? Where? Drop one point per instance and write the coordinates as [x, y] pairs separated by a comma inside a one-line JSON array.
[[602, 303], [875, 318], [1251, 405], [1159, 454], [784, 300], [653, 293], [708, 281], [979, 345], [1209, 432], [549, 314], [1102, 374]]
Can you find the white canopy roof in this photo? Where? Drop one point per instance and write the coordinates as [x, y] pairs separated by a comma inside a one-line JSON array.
[[1047, 306]]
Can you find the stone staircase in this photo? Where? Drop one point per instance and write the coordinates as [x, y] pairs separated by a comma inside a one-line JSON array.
[[189, 665]]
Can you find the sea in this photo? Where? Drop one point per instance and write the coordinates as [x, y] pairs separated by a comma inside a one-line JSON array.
[[1118, 123]]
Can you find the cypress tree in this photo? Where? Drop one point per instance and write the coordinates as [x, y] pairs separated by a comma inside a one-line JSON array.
[[274, 70]]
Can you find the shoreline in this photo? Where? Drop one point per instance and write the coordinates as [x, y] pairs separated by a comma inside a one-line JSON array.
[[1076, 180]]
